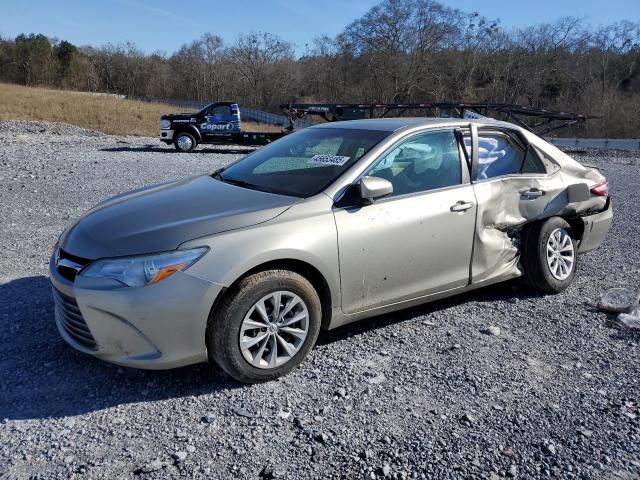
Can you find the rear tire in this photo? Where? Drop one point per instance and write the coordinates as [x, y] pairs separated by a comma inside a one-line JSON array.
[[185, 142], [550, 255], [234, 328]]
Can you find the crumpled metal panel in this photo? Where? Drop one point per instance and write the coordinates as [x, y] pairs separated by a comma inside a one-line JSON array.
[[503, 210]]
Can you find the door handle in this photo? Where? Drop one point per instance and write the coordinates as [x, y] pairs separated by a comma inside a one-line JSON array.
[[532, 194], [461, 206]]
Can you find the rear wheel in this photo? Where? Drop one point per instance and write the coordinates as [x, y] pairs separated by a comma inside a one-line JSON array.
[[550, 255], [185, 142], [264, 326]]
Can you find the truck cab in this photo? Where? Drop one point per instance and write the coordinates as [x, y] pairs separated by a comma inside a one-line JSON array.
[[218, 122], [215, 123], [219, 119]]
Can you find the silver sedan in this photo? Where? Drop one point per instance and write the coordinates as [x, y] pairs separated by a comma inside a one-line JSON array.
[[323, 227]]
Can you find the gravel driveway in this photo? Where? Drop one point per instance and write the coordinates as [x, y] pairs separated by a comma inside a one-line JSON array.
[[429, 392]]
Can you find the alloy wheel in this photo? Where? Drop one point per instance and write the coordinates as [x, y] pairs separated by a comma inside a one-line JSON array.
[[274, 329], [560, 254]]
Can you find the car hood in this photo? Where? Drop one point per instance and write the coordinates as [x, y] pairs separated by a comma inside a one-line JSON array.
[[161, 217]]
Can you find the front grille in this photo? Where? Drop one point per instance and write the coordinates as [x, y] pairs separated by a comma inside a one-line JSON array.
[[69, 265], [71, 319]]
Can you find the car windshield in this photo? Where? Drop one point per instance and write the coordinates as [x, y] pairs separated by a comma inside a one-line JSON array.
[[303, 163]]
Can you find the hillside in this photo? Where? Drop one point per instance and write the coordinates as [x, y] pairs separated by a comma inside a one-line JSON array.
[[107, 114]]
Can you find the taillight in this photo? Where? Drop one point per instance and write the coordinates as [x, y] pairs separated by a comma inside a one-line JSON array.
[[601, 189]]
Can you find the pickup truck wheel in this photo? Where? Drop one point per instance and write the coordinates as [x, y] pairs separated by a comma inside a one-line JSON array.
[[185, 142], [550, 255], [264, 326]]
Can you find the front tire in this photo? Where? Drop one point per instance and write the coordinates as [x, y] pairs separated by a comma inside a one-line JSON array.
[[550, 255], [185, 142], [264, 326]]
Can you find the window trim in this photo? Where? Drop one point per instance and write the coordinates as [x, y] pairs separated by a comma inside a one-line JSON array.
[[465, 179], [516, 138]]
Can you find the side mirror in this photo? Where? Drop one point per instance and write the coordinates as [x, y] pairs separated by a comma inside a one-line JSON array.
[[372, 188]]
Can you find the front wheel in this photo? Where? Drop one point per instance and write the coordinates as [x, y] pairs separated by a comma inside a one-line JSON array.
[[264, 326], [185, 142], [550, 255]]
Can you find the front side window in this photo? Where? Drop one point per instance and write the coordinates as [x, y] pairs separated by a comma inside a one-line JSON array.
[[219, 110], [424, 162], [303, 163]]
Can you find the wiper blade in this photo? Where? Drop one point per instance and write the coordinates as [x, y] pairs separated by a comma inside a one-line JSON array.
[[218, 174], [242, 183]]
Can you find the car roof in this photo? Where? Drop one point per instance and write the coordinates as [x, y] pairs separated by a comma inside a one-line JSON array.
[[394, 124]]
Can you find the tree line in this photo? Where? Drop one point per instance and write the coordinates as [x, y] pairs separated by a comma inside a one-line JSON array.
[[399, 51]]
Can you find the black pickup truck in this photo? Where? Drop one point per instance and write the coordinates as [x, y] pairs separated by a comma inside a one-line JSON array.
[[216, 123]]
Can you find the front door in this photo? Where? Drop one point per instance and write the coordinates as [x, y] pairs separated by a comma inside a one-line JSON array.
[[219, 120], [417, 241]]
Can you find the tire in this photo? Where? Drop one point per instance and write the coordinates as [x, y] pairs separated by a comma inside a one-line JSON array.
[[185, 142], [234, 319], [539, 252]]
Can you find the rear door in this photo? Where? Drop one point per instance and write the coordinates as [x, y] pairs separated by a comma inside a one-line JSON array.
[[513, 186], [417, 241]]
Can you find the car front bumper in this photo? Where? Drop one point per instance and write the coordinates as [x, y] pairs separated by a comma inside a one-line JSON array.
[[158, 326], [166, 135]]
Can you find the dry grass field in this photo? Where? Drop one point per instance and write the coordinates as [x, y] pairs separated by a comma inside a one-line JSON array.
[[107, 114]]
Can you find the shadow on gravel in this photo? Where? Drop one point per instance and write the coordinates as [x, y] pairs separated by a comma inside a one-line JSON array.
[[42, 377], [160, 149], [506, 291], [511, 290]]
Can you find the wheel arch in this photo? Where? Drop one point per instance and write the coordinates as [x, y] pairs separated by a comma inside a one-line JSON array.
[[191, 129], [577, 227], [575, 222], [301, 267]]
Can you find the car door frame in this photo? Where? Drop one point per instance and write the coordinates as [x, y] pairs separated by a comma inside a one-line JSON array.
[[496, 254], [338, 188], [465, 181]]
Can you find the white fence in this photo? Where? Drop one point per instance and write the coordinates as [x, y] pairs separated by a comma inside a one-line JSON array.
[[246, 113], [606, 143]]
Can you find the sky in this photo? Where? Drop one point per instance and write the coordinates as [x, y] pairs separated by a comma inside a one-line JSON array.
[[164, 26]]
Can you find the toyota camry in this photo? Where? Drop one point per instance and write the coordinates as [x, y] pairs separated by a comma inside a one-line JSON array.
[[335, 223]]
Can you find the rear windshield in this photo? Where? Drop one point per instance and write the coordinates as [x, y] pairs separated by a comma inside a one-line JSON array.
[[303, 163]]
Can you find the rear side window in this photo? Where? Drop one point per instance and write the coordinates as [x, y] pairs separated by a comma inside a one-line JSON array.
[[499, 154], [549, 165], [532, 162]]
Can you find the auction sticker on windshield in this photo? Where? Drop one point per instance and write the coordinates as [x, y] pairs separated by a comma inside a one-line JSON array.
[[329, 159]]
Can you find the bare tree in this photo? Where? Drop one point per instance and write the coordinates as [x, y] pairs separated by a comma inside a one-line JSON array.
[[399, 51], [254, 56]]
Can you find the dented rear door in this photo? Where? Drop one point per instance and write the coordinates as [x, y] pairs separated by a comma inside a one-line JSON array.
[[509, 195]]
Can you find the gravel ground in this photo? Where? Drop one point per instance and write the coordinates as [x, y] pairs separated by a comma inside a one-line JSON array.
[[430, 392]]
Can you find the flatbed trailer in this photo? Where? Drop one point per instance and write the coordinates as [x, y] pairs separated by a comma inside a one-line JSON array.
[[537, 120], [220, 122]]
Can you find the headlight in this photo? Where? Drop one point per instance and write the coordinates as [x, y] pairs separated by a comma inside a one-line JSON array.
[[144, 269], [165, 124]]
